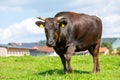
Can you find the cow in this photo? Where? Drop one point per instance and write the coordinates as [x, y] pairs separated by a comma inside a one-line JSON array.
[[70, 32]]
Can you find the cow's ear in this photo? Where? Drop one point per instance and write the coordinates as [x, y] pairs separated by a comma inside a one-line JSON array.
[[40, 24], [63, 23]]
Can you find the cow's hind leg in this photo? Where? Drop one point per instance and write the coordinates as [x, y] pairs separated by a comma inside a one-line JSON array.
[[69, 53], [94, 51]]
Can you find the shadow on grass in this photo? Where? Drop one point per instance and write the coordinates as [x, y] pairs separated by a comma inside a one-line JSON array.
[[60, 72]]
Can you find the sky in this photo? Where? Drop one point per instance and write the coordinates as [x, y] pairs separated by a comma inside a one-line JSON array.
[[17, 17]]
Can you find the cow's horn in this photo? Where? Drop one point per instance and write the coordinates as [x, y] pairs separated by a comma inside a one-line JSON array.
[[59, 18], [43, 19]]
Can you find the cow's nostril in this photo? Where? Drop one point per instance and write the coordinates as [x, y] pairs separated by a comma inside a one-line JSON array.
[[51, 42]]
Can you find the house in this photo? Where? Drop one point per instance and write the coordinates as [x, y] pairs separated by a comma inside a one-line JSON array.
[[20, 49], [104, 50], [35, 52], [8, 50], [44, 50], [115, 52]]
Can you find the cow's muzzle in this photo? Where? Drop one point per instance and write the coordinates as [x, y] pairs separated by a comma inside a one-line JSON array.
[[51, 43]]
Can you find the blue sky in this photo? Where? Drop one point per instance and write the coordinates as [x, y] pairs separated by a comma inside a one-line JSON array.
[[17, 17]]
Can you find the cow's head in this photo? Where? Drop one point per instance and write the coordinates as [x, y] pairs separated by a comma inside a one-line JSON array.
[[52, 28]]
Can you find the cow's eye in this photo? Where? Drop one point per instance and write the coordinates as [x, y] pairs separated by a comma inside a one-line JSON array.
[[56, 29]]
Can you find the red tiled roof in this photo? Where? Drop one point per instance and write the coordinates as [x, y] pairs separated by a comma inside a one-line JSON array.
[[103, 49], [44, 49]]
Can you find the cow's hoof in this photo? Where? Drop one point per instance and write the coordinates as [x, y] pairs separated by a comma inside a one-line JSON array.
[[70, 71], [96, 71]]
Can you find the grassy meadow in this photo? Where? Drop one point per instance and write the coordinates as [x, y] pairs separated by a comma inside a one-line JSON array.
[[50, 68]]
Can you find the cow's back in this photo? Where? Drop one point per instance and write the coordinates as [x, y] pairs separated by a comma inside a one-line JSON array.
[[84, 30]]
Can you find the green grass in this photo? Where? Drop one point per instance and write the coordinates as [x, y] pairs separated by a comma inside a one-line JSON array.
[[50, 68]]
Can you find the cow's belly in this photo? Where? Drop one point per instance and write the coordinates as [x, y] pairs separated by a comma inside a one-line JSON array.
[[82, 46]]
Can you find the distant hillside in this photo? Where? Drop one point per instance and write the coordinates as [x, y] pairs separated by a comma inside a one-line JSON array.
[[29, 45], [40, 43], [111, 40], [43, 42], [115, 42]]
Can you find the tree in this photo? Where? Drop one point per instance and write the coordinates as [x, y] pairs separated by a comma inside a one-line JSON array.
[[118, 49], [108, 45], [42, 43]]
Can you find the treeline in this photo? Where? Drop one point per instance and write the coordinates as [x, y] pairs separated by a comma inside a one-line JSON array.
[[42, 43]]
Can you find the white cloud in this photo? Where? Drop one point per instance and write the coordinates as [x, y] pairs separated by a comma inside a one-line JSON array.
[[99, 7], [6, 33], [107, 10], [111, 26], [22, 31], [27, 25], [112, 19], [75, 3], [85, 3]]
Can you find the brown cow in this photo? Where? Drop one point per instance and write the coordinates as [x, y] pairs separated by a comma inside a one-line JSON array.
[[69, 32]]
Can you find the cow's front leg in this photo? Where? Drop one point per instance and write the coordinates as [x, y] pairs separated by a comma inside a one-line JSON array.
[[62, 57], [69, 53]]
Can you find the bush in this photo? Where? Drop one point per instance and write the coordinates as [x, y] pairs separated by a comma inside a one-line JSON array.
[[108, 45], [118, 49]]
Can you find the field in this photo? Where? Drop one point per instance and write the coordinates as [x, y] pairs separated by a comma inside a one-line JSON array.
[[50, 68]]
